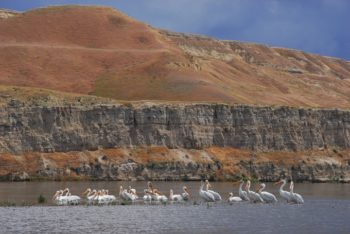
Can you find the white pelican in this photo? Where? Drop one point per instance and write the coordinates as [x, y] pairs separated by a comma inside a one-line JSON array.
[[284, 194], [147, 197], [215, 194], [100, 198], [71, 199], [157, 196], [110, 198], [125, 195], [242, 194], [232, 199], [150, 186], [266, 196], [59, 198], [175, 197], [295, 197], [253, 196], [205, 195], [132, 191], [186, 194], [90, 194]]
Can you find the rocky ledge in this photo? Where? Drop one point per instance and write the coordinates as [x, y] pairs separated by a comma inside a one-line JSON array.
[[161, 163], [178, 141], [30, 128]]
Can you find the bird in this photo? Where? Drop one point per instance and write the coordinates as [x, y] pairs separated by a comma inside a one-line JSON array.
[[59, 198], [64, 197], [253, 196], [90, 194], [266, 196], [284, 194], [71, 199], [186, 194], [150, 186], [233, 199], [147, 197], [157, 196], [215, 194], [205, 195], [125, 195], [133, 191], [242, 194], [100, 198], [175, 197], [110, 198], [295, 197]]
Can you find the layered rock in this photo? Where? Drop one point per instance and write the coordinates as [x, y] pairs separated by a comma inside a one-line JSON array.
[[190, 126], [161, 163]]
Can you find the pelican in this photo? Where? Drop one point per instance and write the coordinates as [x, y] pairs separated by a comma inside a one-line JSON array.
[[186, 194], [71, 199], [215, 194], [242, 194], [284, 194], [157, 196], [90, 194], [110, 198], [125, 195], [266, 196], [100, 198], [253, 196], [132, 191], [147, 197], [59, 198], [295, 197], [232, 199], [150, 186], [175, 197], [205, 195]]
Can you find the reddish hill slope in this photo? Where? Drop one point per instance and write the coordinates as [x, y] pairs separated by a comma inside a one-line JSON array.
[[100, 51]]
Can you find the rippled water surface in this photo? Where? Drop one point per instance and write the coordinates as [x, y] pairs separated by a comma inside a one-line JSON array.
[[326, 210]]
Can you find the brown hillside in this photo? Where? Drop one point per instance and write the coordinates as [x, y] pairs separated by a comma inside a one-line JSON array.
[[100, 51]]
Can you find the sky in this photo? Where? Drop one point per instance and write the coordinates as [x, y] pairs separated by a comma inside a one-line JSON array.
[[316, 26]]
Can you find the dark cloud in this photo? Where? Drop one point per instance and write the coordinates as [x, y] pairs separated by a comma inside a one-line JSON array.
[[317, 26]]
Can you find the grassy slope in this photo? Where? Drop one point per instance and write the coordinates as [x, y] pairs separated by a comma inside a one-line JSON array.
[[100, 51]]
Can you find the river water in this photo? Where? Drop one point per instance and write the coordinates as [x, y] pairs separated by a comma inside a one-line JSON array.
[[326, 210]]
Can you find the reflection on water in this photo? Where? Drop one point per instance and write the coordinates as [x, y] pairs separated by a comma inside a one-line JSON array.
[[326, 210]]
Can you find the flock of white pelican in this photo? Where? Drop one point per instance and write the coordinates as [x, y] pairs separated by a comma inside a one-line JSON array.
[[152, 194]]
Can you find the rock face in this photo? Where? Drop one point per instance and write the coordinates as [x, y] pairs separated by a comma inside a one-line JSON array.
[[102, 52], [161, 163], [189, 126]]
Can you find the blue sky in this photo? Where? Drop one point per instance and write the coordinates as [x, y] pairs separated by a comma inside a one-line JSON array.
[[317, 26]]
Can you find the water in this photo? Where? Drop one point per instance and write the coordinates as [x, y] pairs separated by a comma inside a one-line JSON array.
[[326, 210]]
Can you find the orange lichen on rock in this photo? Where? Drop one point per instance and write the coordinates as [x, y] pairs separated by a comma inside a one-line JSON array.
[[163, 163]]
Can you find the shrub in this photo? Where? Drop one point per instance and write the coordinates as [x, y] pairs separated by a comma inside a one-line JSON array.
[[41, 199]]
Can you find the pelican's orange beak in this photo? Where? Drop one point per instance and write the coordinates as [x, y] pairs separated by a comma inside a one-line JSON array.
[[86, 191], [56, 194]]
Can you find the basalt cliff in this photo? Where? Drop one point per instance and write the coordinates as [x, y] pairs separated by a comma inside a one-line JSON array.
[[104, 96], [173, 141]]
